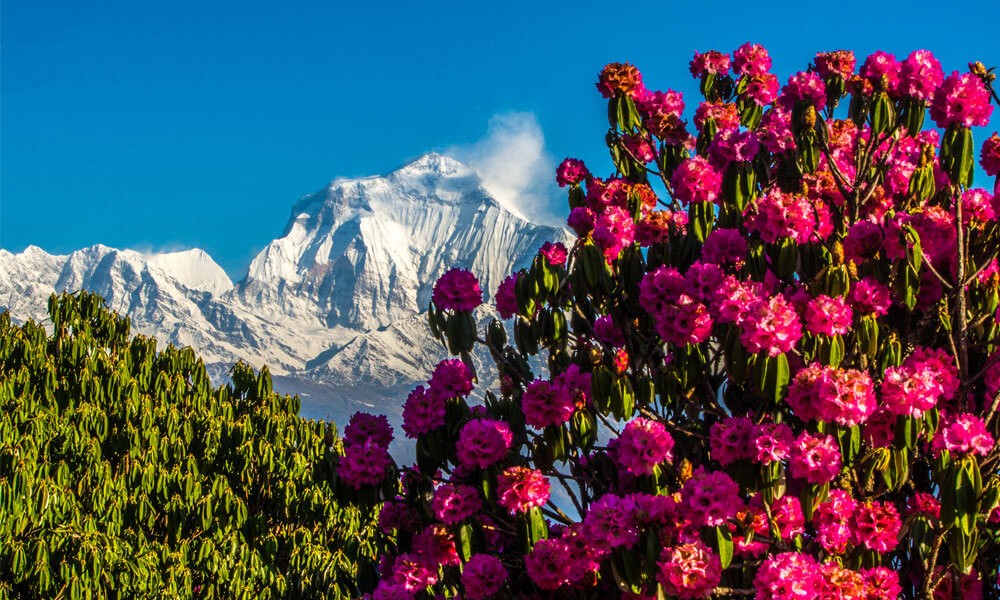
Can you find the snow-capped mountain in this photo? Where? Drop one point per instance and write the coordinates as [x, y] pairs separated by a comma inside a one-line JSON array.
[[336, 302]]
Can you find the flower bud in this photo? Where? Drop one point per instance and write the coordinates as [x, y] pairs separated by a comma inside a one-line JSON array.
[[809, 117], [506, 385], [838, 253], [978, 69], [926, 155], [685, 470]]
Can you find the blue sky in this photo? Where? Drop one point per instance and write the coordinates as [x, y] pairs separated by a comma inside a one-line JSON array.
[[162, 125]]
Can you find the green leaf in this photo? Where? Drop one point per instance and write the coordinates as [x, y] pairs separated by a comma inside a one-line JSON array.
[[724, 545], [465, 542]]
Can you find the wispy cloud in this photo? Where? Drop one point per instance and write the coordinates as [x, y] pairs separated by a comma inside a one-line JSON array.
[[514, 166]]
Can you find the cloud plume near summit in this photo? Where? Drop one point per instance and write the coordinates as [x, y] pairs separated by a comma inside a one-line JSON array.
[[514, 166]]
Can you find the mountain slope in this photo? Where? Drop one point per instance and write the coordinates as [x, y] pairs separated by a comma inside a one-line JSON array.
[[338, 299], [365, 253]]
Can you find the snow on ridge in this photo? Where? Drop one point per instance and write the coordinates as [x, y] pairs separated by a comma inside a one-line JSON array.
[[337, 298]]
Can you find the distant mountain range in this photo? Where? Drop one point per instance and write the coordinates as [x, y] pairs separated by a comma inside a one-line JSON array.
[[335, 306]]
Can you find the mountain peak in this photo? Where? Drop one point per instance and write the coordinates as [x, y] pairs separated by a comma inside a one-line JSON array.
[[434, 163]]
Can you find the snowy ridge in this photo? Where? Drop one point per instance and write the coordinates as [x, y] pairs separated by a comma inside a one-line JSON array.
[[337, 300]]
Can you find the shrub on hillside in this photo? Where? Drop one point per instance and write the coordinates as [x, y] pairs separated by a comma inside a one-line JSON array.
[[124, 473]]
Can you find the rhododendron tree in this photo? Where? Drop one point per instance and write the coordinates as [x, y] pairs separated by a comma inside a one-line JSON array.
[[767, 367]]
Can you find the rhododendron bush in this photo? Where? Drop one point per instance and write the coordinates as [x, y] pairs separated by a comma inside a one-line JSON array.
[[766, 367]]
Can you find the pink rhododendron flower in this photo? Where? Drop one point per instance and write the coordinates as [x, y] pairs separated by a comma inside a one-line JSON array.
[[457, 290], [657, 226], [733, 146], [775, 131], [451, 378], [803, 87], [991, 378], [506, 299], [779, 215], [909, 391], [751, 59], [703, 281], [962, 100], [642, 445], [788, 576], [920, 75], [483, 442], [991, 270], [833, 519], [936, 227], [772, 442], [455, 503], [724, 247], [613, 230], [869, 297], [546, 564], [964, 435], [660, 288], [844, 396], [483, 576], [695, 180], [941, 367], [546, 404], [397, 515], [435, 545], [923, 504], [714, 62], [882, 583], [610, 522], [412, 573], [725, 115], [684, 322], [576, 383], [662, 104], [731, 440], [639, 148], [607, 332], [584, 560], [771, 325], [581, 220], [422, 413], [787, 514], [555, 254], [736, 298], [762, 89], [977, 205], [571, 171], [620, 79], [839, 63], [838, 582], [387, 589], [876, 526], [520, 489], [879, 431], [363, 427], [881, 65], [864, 240], [689, 570], [815, 458], [363, 464], [989, 156], [828, 316], [710, 498]]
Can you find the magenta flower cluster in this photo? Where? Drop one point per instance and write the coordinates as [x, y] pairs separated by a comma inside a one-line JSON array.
[[767, 365]]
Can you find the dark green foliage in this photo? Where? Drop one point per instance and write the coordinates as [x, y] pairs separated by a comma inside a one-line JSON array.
[[123, 473]]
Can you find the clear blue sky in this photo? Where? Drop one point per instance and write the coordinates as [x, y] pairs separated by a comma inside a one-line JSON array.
[[159, 125]]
